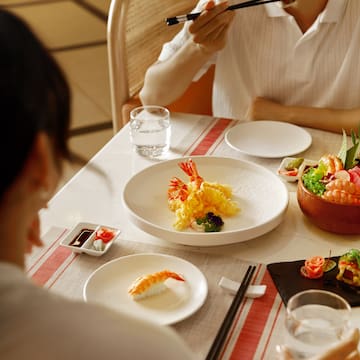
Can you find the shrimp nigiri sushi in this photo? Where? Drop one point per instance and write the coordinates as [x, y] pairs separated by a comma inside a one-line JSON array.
[[152, 284]]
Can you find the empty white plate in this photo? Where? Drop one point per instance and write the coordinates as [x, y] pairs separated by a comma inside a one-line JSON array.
[[268, 139]]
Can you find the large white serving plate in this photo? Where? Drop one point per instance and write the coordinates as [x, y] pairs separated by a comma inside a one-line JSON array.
[[268, 139], [109, 285], [261, 195]]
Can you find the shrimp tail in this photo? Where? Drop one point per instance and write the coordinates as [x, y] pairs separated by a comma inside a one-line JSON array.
[[190, 169], [177, 190]]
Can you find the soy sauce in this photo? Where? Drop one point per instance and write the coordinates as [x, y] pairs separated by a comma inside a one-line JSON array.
[[79, 239]]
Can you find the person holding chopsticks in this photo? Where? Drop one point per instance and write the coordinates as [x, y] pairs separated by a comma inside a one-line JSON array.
[[297, 63], [34, 323]]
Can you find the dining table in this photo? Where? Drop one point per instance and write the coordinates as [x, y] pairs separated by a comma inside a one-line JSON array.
[[94, 195]]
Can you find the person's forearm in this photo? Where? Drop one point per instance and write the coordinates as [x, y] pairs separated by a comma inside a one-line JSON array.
[[167, 81], [333, 120]]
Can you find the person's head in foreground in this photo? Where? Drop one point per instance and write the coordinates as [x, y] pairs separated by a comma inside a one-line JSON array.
[[34, 111], [35, 323]]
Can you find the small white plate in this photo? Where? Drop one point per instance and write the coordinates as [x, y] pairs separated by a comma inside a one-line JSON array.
[[300, 170], [109, 285], [268, 139], [87, 232]]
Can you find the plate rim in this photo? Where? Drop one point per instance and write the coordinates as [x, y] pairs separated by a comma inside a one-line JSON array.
[[156, 255], [276, 123], [155, 229]]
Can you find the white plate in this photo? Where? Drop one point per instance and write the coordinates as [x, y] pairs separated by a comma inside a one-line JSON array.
[[268, 139], [109, 285], [261, 195]]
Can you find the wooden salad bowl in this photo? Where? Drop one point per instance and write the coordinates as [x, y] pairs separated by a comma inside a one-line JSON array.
[[329, 216]]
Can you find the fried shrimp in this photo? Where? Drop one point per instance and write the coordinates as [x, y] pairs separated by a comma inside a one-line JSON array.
[[197, 198]]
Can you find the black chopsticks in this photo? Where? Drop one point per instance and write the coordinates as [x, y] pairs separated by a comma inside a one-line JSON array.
[[230, 315], [192, 16]]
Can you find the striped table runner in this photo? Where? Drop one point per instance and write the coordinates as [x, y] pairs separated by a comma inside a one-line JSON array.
[[258, 326]]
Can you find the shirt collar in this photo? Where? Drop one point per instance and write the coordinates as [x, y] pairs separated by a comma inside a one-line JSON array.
[[333, 12]]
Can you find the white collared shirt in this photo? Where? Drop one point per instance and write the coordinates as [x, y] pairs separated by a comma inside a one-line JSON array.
[[267, 55]]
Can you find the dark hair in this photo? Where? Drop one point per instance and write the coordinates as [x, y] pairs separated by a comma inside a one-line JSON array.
[[34, 97]]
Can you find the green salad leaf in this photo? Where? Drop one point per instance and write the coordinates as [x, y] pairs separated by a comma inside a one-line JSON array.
[[312, 179], [349, 156], [343, 149]]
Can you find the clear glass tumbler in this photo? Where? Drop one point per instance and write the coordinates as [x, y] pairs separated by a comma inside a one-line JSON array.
[[150, 130], [315, 320]]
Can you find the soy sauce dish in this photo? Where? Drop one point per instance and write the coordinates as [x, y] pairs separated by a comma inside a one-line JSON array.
[[291, 168], [92, 239]]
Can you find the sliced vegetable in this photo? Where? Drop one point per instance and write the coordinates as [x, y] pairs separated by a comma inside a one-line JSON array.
[[294, 164], [342, 174], [329, 265], [293, 172]]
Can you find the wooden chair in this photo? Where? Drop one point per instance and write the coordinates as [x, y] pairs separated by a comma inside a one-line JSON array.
[[136, 31]]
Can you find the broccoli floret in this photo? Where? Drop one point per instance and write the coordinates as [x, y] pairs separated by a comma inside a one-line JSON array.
[[210, 222]]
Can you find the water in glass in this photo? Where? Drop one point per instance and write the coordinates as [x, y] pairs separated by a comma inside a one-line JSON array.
[[150, 132], [311, 329]]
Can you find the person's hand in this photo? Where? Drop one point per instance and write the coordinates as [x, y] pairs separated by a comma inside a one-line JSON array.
[[265, 109], [33, 236], [210, 29], [344, 350]]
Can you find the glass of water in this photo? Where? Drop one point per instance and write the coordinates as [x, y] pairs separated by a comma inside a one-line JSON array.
[[150, 130], [315, 320]]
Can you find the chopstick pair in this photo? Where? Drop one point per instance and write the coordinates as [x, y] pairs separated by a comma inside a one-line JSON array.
[[220, 338], [192, 16]]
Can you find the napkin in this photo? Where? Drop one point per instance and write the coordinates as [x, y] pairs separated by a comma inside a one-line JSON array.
[[289, 281]]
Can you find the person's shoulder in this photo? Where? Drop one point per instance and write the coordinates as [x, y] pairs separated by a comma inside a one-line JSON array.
[[135, 337]]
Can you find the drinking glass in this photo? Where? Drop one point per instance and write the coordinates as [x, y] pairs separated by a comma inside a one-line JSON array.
[[150, 130], [315, 320]]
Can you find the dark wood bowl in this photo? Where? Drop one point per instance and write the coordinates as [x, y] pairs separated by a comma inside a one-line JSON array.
[[329, 216]]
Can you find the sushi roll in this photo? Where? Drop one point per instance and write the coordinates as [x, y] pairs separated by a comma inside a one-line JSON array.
[[152, 284]]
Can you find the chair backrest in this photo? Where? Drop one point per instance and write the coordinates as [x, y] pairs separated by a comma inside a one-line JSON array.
[[136, 31]]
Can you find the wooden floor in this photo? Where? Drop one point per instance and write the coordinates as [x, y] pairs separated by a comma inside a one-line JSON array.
[[75, 33]]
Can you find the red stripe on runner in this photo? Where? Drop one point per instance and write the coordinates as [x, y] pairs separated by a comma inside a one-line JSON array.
[[205, 144], [62, 271], [272, 329], [248, 340], [52, 263], [199, 136], [47, 250], [238, 315]]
